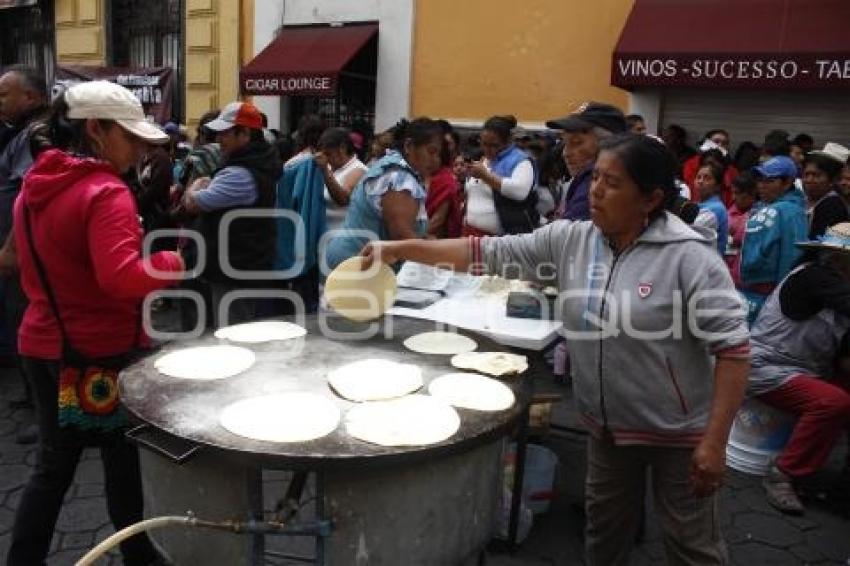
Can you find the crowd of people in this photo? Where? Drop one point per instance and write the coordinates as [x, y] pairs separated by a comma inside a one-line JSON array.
[[755, 241]]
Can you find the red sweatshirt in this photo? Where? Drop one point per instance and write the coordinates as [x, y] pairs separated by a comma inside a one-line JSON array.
[[87, 233]]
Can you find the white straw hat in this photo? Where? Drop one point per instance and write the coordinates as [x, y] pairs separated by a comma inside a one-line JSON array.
[[837, 238], [103, 100], [834, 151]]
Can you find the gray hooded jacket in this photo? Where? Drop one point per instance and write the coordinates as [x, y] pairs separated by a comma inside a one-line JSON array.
[[783, 347], [641, 326]]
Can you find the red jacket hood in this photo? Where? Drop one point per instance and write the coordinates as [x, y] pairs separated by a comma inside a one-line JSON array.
[[55, 171]]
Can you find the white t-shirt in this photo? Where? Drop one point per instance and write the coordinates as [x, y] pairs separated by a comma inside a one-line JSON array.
[[335, 213], [480, 207]]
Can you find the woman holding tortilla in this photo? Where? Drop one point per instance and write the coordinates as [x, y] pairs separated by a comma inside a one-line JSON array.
[[389, 201], [639, 289]]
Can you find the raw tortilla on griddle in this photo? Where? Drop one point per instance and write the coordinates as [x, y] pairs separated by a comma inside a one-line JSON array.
[[282, 417], [415, 420], [261, 331], [205, 363], [472, 391], [375, 379], [437, 342]]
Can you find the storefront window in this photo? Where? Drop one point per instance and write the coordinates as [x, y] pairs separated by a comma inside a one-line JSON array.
[[148, 33], [27, 37], [353, 105]]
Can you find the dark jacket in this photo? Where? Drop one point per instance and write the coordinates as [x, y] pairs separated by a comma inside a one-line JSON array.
[[16, 158], [829, 211], [251, 240], [800, 328], [577, 201], [152, 193]]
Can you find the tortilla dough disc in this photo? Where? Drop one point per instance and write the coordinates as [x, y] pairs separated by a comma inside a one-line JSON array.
[[360, 295], [415, 420], [496, 364], [262, 331], [374, 379], [472, 391], [206, 362], [440, 343], [283, 417]]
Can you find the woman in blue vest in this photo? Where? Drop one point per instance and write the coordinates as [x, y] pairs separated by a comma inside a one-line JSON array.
[[500, 199], [389, 202]]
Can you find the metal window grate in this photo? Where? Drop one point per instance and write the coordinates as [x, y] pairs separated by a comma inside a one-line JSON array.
[[27, 38], [354, 104], [149, 33]]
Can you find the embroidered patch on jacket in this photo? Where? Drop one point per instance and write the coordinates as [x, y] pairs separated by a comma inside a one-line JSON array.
[[644, 290]]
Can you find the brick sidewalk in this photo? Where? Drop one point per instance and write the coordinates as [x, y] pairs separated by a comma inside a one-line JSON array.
[[755, 533]]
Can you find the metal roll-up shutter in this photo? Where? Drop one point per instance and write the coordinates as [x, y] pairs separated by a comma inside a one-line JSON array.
[[750, 114]]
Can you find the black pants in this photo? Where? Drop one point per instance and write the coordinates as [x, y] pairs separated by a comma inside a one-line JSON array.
[[14, 306], [307, 285], [58, 455]]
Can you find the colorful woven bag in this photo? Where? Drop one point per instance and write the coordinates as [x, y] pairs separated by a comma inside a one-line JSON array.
[[88, 387]]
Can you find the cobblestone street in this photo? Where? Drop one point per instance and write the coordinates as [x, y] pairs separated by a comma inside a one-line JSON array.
[[755, 533]]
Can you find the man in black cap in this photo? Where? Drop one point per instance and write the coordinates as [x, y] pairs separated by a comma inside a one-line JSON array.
[[582, 131]]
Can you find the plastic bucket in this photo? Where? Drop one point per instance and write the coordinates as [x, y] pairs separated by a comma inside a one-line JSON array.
[[758, 435], [539, 479]]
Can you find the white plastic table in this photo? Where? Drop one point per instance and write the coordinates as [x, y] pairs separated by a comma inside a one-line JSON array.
[[464, 308]]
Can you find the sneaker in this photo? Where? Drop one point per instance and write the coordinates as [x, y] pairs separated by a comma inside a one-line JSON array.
[[779, 488]]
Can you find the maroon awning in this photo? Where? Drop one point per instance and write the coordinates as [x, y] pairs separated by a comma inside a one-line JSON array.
[[735, 43], [17, 3], [305, 60]]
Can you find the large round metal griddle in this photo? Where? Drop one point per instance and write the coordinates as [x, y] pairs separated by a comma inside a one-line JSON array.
[[190, 409]]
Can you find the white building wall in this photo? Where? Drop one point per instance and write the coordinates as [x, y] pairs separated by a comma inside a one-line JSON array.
[[647, 103], [395, 46], [268, 18]]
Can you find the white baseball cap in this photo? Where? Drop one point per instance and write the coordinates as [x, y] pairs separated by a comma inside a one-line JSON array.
[[103, 100]]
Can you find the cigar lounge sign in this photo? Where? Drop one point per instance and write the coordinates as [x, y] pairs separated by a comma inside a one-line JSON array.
[[731, 71], [285, 85]]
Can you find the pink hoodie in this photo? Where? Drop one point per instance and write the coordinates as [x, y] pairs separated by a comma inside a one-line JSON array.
[[89, 238], [737, 229]]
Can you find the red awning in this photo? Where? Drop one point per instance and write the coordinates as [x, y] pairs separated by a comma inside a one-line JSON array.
[[735, 43], [305, 60]]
